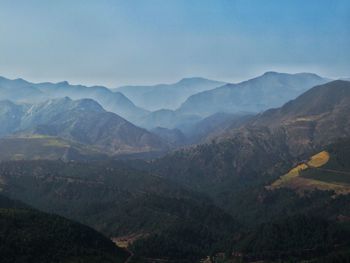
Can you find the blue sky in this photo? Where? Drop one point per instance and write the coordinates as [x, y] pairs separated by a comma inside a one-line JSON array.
[[151, 41]]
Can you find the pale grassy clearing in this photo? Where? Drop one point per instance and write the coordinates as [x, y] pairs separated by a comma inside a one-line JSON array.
[[293, 179]]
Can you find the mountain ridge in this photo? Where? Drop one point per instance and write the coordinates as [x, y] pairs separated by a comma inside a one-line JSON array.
[[167, 96], [268, 89], [22, 91], [264, 140], [83, 121]]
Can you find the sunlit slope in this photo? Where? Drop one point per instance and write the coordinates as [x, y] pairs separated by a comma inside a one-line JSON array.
[[322, 171]]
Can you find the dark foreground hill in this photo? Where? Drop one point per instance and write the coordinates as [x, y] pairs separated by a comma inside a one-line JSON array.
[[27, 235], [295, 238], [123, 204]]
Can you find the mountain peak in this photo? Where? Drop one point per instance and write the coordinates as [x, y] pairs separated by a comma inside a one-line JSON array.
[[18, 80], [270, 73], [194, 80], [305, 74], [89, 104], [21, 80], [81, 104], [191, 79], [270, 90], [63, 83], [318, 100]]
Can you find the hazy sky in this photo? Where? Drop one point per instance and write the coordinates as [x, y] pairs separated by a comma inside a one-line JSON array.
[[150, 41]]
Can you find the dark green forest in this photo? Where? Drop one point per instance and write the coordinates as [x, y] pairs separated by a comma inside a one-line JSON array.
[[27, 235], [177, 219]]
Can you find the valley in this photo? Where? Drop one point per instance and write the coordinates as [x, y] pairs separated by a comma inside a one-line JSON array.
[[176, 131], [216, 198]]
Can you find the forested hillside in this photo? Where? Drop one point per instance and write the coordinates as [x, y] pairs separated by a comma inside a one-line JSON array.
[[119, 202], [27, 235]]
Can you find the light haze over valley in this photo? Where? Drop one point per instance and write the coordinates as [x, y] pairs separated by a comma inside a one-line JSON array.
[[174, 131]]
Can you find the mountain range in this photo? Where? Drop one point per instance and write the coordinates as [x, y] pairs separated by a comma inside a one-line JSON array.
[[242, 187], [270, 90], [83, 121], [167, 96], [214, 197], [179, 105], [22, 91], [272, 141], [235, 167]]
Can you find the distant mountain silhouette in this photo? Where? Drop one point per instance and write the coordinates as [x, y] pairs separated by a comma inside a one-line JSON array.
[[270, 90], [167, 96], [20, 90]]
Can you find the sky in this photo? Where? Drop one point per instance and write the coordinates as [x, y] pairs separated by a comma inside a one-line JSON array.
[[114, 43]]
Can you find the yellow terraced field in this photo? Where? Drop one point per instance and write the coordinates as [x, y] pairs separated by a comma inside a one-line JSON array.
[[294, 181], [283, 180], [319, 159]]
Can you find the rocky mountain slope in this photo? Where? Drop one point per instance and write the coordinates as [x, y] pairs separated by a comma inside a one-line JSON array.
[[255, 95], [279, 136], [83, 121], [211, 198], [22, 91], [248, 97]]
